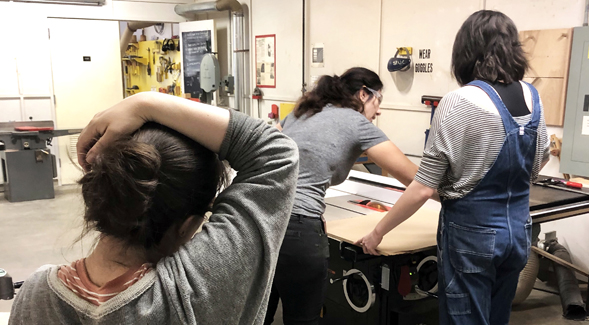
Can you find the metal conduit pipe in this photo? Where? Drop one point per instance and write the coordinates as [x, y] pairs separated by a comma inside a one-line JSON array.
[[586, 18], [199, 7], [193, 8], [238, 60], [568, 286]]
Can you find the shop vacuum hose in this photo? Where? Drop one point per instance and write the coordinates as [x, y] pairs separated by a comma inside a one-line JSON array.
[[527, 279], [568, 286]]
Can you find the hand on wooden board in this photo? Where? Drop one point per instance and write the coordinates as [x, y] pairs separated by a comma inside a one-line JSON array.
[[369, 243]]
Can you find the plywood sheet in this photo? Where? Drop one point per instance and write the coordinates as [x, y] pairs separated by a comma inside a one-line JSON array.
[[415, 234], [548, 51], [551, 92]]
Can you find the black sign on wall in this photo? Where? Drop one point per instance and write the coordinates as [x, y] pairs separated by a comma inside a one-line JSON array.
[[424, 67], [195, 45]]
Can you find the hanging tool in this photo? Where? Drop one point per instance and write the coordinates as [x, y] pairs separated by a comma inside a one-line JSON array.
[[158, 74], [149, 62]]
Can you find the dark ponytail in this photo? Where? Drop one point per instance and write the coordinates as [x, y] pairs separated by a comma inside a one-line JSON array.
[[140, 187], [339, 91]]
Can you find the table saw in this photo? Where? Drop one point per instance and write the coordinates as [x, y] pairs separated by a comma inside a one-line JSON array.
[[400, 286]]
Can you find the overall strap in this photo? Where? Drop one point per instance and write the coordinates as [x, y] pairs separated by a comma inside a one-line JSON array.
[[508, 122], [536, 108]]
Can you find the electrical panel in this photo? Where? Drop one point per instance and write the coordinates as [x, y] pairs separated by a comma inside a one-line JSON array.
[[574, 158]]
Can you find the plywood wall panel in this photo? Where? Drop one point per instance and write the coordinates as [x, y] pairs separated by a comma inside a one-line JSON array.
[[548, 51], [551, 92]]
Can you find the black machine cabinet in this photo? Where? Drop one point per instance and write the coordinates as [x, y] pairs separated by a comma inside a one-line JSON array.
[[400, 289], [366, 289]]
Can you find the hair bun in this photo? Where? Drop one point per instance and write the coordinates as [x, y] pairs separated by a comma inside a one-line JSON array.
[[122, 182]]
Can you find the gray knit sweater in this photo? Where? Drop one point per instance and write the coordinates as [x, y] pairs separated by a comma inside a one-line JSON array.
[[223, 275]]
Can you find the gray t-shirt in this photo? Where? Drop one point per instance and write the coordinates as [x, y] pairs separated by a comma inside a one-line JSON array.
[[223, 275], [329, 143]]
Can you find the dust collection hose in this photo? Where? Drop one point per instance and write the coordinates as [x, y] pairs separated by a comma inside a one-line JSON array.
[[568, 286], [527, 279]]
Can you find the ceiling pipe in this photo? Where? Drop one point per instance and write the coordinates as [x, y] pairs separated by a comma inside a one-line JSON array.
[[132, 27], [219, 5]]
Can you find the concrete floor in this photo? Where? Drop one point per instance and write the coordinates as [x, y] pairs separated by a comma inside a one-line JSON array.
[[43, 232]]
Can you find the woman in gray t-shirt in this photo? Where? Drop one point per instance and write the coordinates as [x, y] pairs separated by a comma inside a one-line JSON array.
[[332, 126]]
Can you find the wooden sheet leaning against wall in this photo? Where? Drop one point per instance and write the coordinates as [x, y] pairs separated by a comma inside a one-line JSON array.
[[549, 53]]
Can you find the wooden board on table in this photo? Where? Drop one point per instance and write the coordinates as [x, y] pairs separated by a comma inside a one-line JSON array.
[[415, 234]]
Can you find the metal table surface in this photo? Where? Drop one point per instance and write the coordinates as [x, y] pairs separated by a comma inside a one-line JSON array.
[[546, 204]]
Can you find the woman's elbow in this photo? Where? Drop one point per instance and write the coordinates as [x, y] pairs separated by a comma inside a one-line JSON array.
[[423, 192]]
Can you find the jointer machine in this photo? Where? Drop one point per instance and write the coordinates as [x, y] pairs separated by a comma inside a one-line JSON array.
[[28, 167]]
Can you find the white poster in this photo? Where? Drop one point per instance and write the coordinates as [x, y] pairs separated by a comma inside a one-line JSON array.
[[266, 61]]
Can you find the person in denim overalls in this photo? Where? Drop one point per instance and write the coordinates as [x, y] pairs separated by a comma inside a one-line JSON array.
[[483, 234], [484, 237]]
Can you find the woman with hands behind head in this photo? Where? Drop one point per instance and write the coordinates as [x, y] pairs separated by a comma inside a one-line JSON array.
[[149, 180]]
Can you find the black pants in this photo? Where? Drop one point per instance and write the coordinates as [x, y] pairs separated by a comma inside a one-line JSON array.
[[301, 273]]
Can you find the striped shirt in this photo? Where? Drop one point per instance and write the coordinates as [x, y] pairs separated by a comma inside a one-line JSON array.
[[76, 279], [466, 137]]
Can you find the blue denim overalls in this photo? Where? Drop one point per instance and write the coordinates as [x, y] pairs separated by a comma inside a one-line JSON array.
[[484, 237]]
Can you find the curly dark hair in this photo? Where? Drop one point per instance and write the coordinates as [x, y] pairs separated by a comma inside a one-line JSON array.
[[487, 47], [142, 185], [339, 91]]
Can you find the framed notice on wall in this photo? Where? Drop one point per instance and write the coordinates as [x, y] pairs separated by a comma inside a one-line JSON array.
[[266, 61]]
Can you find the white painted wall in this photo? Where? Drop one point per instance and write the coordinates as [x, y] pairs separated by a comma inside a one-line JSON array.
[[283, 18], [83, 89], [345, 44]]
